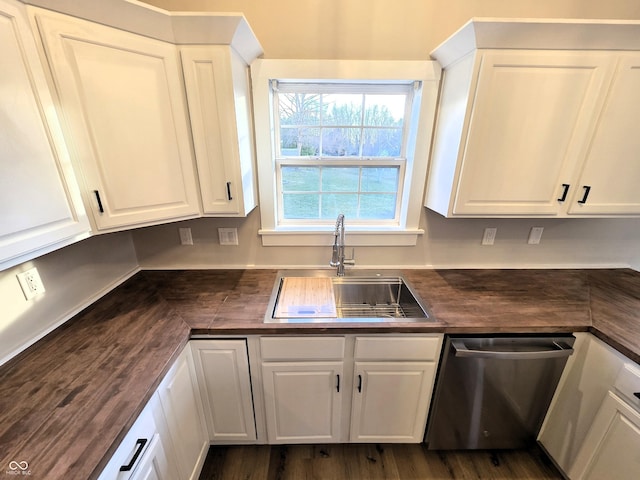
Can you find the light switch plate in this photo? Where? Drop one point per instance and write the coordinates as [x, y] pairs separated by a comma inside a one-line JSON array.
[[185, 236], [489, 236], [534, 235], [228, 236]]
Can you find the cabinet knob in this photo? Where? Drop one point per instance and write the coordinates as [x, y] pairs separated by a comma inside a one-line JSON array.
[[338, 384], [587, 189], [359, 383], [229, 191], [565, 191]]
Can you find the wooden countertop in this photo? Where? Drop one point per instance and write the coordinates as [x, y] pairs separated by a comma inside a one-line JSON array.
[[68, 400]]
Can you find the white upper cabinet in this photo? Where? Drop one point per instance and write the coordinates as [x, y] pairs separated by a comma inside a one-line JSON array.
[[217, 84], [40, 205], [123, 106], [533, 123], [608, 181]]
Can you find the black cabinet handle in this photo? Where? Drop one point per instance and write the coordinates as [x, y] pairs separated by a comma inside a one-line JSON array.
[[637, 394], [229, 191], [360, 383], [565, 191], [100, 208], [587, 189], [140, 443], [338, 384]]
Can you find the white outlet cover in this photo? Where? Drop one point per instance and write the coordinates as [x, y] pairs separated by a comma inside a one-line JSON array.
[[228, 236], [31, 283]]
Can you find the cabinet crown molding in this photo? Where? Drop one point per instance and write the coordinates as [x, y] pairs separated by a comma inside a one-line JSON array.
[[180, 28], [538, 34]]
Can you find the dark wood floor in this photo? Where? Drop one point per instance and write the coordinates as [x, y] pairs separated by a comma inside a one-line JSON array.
[[367, 462]]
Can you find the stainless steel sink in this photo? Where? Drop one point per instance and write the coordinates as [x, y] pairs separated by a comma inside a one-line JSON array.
[[361, 296]]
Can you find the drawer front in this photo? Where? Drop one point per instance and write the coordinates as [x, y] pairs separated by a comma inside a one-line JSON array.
[[628, 384], [398, 348], [302, 348], [134, 444]]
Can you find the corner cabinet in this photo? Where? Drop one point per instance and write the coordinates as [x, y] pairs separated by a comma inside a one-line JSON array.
[[222, 370], [534, 124], [40, 204], [184, 415], [125, 118], [592, 429], [217, 85]]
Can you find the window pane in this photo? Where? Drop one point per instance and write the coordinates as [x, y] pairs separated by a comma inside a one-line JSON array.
[[382, 142], [300, 179], [340, 179], [342, 109], [378, 206], [299, 109], [380, 179], [340, 142], [300, 205], [335, 203], [384, 110], [299, 142]]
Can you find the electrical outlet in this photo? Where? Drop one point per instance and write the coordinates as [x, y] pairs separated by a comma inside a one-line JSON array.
[[489, 236], [534, 235], [185, 236], [228, 236], [31, 283]]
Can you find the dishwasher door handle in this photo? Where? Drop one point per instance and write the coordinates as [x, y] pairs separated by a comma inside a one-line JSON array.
[[561, 350]]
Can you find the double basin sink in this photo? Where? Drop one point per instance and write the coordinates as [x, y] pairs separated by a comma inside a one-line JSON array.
[[319, 296]]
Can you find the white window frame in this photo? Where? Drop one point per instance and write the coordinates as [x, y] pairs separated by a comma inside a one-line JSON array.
[[403, 232]]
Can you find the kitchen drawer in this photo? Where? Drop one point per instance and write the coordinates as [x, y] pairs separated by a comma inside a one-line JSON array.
[[134, 444], [302, 348], [628, 384], [398, 348]]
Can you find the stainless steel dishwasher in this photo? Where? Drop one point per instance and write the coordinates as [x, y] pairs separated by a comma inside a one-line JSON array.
[[493, 392]]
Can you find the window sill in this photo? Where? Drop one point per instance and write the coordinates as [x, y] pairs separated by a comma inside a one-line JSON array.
[[355, 238]]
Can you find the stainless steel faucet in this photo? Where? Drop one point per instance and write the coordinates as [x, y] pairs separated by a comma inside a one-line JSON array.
[[337, 256]]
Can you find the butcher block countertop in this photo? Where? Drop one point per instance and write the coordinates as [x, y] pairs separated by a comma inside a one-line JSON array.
[[67, 401]]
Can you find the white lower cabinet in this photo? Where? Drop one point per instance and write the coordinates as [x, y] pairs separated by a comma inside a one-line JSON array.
[[611, 448], [316, 389], [183, 411], [154, 465], [145, 451], [222, 370], [390, 401], [303, 401], [592, 429]]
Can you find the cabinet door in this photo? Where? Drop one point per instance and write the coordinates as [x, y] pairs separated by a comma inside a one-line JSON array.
[[217, 85], [531, 116], [122, 99], [589, 374], [391, 401], [40, 205], [303, 401], [183, 412], [611, 449], [222, 369], [612, 166]]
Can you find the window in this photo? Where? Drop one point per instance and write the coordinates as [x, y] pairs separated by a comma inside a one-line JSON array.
[[347, 137], [340, 148]]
